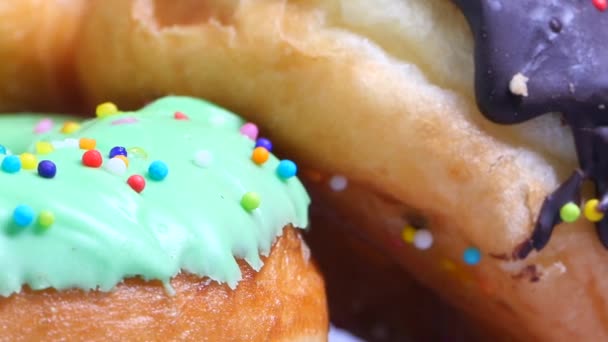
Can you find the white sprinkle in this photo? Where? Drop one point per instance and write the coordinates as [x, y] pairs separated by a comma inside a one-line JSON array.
[[203, 158], [58, 144], [338, 183], [71, 142], [217, 120], [116, 166], [423, 239], [518, 85]]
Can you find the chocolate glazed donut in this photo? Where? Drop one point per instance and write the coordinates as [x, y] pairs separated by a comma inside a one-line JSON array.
[[534, 57]]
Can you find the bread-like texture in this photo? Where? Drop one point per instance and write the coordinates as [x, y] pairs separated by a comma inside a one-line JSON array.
[[285, 301], [36, 50], [380, 91], [396, 113]]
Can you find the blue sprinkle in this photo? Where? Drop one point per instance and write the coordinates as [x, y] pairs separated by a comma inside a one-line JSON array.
[[472, 256], [287, 169], [2, 149], [47, 169], [158, 170], [265, 143], [118, 151], [23, 215], [11, 164]]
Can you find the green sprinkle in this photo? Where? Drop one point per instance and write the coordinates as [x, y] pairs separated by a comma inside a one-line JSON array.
[[570, 212], [46, 219], [250, 201]]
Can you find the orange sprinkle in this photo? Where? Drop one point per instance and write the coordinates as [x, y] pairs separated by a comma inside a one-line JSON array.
[[260, 155], [312, 175], [87, 144], [124, 159], [448, 265]]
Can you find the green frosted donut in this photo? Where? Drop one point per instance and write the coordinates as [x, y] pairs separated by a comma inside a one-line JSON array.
[[90, 228]]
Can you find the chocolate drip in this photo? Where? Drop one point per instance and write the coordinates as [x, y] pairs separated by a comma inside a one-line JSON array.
[[534, 57]]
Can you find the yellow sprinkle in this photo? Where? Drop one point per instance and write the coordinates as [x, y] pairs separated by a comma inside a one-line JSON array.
[[43, 147], [87, 144], [124, 159], [106, 109], [590, 211], [70, 127], [448, 265], [407, 234], [46, 219], [28, 161]]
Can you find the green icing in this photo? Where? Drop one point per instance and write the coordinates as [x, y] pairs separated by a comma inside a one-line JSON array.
[[105, 232]]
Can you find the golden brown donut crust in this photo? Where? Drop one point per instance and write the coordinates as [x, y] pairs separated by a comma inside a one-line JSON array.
[[285, 301]]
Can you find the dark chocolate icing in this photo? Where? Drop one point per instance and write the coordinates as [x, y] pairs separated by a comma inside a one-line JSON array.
[[560, 47]]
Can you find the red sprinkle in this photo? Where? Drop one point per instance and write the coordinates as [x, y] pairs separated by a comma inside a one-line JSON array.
[[180, 116], [92, 158], [600, 4], [137, 183]]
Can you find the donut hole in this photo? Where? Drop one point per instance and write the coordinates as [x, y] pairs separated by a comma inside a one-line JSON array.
[[169, 13]]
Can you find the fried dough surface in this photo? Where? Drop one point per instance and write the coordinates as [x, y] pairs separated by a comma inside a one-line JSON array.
[[37, 50], [285, 301], [381, 93]]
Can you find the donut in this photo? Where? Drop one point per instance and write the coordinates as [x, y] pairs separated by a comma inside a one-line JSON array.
[[37, 40], [171, 222], [403, 150]]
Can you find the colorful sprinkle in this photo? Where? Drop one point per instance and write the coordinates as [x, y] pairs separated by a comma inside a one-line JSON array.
[[11, 164], [250, 201], [217, 120], [601, 5], [47, 169], [70, 127], [92, 158], [118, 151], [260, 155], [23, 215], [180, 116], [471, 256], [72, 143], [265, 143], [338, 183], [203, 158], [158, 170], [46, 219], [137, 183], [43, 126], [106, 109], [423, 239], [43, 147], [408, 233], [570, 212], [28, 161], [138, 151], [590, 211], [116, 166], [287, 169], [249, 130], [123, 158], [2, 149], [124, 121], [87, 144]]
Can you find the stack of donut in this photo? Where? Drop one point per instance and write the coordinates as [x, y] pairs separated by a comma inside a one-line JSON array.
[[395, 111]]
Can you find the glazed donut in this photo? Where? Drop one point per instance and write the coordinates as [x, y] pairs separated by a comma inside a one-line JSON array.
[[166, 223], [399, 149], [37, 49]]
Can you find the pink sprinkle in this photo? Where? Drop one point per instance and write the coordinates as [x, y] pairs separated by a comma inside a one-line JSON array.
[[125, 121], [180, 116], [250, 130], [43, 126]]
